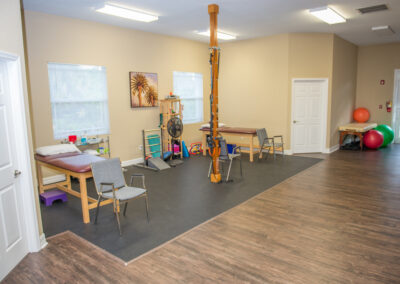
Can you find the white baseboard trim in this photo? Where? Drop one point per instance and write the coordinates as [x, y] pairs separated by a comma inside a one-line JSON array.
[[131, 162], [288, 152], [43, 242], [331, 149], [53, 179]]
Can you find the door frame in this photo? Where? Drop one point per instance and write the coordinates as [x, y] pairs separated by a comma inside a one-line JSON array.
[[325, 95], [395, 100], [28, 206]]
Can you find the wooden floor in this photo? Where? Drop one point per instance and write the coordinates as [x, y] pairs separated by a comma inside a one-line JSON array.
[[336, 222]]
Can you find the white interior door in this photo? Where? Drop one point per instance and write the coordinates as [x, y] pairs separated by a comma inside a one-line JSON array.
[[396, 106], [309, 115], [13, 242]]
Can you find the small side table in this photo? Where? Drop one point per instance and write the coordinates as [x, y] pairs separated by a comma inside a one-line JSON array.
[[357, 129]]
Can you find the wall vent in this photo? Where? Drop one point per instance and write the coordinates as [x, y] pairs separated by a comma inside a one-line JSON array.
[[372, 9]]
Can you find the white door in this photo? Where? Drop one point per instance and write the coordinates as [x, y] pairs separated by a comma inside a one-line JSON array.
[[309, 115], [396, 107], [13, 243]]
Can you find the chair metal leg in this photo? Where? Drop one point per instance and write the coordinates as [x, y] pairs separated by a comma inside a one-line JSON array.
[[126, 205], [97, 209], [273, 148], [209, 170], [117, 215], [240, 165], [147, 208], [269, 150], [229, 170]]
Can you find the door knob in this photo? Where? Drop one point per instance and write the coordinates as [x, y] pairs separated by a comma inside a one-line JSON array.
[[295, 121], [17, 173]]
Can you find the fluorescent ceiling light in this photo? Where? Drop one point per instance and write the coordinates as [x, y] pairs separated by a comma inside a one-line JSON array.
[[383, 30], [127, 13], [220, 35], [327, 15]]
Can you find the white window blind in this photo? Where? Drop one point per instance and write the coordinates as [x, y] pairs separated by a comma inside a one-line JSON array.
[[189, 87], [79, 100]]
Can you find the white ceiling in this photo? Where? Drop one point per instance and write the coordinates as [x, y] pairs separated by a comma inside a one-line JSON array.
[[244, 18]]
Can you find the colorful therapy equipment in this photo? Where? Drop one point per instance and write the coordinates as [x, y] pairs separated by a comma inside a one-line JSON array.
[[48, 197], [153, 150], [379, 137], [387, 132], [361, 115], [373, 139]]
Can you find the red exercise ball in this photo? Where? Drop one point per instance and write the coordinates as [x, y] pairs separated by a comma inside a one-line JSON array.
[[361, 114], [373, 139]]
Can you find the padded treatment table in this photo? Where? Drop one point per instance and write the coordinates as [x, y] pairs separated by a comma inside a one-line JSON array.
[[357, 129], [72, 165], [248, 133]]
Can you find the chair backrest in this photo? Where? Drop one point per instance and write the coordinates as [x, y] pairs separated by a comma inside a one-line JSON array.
[[261, 134], [224, 148], [108, 171]]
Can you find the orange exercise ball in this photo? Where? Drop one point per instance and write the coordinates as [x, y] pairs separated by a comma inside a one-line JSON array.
[[361, 114]]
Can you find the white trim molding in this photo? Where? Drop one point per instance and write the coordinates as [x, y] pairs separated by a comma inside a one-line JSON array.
[[131, 162], [43, 242], [331, 149], [288, 152]]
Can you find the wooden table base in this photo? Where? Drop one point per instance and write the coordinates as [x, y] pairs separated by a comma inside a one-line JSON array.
[[86, 201], [348, 132]]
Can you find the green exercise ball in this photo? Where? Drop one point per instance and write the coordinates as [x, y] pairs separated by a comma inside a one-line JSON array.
[[387, 132]]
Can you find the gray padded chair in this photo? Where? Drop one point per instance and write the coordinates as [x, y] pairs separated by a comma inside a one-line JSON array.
[[269, 143], [226, 157], [110, 184]]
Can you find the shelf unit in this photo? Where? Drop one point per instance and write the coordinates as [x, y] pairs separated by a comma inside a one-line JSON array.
[[170, 108], [102, 142]]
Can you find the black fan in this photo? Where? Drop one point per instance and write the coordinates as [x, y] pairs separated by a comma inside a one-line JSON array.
[[175, 127]]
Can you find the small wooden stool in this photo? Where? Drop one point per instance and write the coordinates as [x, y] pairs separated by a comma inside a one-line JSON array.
[[50, 196]]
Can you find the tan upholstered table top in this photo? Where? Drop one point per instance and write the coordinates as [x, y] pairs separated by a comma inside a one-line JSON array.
[[358, 127]]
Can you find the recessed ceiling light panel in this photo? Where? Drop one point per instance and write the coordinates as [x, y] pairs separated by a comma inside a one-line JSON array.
[[127, 13], [327, 15], [220, 35], [383, 30]]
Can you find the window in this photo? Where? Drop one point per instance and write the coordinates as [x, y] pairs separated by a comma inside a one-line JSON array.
[[189, 87], [79, 102]]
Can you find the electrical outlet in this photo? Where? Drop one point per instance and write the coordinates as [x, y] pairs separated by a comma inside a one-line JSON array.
[[140, 147]]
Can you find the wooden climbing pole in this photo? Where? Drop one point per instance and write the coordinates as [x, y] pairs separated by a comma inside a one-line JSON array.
[[213, 142]]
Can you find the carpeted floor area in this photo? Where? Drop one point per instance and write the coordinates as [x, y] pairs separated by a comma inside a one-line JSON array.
[[179, 198]]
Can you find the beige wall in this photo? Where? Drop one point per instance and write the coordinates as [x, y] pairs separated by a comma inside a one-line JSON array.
[[310, 56], [255, 75], [59, 39], [344, 76], [375, 63], [11, 41], [255, 79], [253, 84]]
